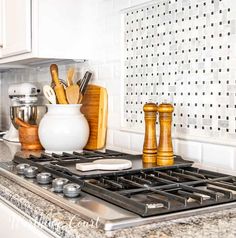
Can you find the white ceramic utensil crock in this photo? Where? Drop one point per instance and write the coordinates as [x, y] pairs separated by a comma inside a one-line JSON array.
[[63, 129]]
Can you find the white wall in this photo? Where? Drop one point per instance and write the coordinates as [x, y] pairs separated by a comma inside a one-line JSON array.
[[101, 36]]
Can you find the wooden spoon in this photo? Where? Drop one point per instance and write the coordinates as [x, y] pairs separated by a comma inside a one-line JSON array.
[[73, 90], [70, 76], [59, 89]]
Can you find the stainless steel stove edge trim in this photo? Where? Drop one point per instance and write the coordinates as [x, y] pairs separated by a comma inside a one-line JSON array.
[[168, 217]]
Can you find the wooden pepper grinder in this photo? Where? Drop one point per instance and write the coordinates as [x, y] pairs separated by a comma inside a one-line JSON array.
[[150, 142], [165, 155]]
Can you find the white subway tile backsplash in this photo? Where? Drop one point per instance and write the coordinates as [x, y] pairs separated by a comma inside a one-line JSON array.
[[113, 104], [114, 87], [188, 150], [174, 144], [114, 121], [122, 139], [117, 71], [137, 142], [105, 72], [218, 155], [110, 104], [109, 138]]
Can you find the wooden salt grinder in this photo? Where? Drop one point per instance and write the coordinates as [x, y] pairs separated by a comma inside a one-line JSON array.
[[165, 155], [150, 142]]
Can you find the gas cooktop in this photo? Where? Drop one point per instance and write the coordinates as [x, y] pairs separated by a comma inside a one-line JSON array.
[[124, 198]]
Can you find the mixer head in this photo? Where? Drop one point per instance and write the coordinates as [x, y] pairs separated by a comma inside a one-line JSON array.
[[24, 93]]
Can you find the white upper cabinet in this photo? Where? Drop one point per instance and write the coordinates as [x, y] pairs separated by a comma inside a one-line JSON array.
[[16, 32], [32, 31]]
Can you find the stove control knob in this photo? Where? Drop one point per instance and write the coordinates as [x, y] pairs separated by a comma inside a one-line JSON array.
[[44, 178], [71, 190], [21, 167], [30, 172], [58, 184]]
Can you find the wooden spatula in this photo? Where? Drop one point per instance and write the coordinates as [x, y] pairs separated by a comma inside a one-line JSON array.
[[59, 89], [73, 90]]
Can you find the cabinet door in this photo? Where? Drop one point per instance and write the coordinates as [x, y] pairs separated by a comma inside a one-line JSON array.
[[16, 27]]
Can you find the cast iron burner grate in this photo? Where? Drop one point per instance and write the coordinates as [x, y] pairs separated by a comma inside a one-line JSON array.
[[144, 191]]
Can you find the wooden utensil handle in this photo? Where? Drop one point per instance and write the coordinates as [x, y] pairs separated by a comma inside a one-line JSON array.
[[60, 94], [54, 67], [69, 82], [70, 76], [165, 155], [54, 74], [150, 142]]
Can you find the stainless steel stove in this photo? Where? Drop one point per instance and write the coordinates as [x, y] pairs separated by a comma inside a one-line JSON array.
[[119, 199]]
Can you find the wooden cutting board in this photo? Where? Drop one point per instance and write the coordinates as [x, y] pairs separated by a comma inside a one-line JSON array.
[[94, 107]]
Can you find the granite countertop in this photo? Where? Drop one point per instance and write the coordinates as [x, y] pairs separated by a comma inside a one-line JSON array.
[[65, 224]]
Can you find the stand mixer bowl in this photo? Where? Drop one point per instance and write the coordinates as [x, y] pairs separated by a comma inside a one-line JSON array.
[[31, 114]]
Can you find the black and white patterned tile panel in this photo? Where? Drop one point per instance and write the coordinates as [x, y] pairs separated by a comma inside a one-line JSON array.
[[182, 51]]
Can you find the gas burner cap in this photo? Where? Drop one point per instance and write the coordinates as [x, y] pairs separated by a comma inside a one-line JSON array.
[[21, 167], [44, 178], [58, 183], [30, 172], [71, 190]]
